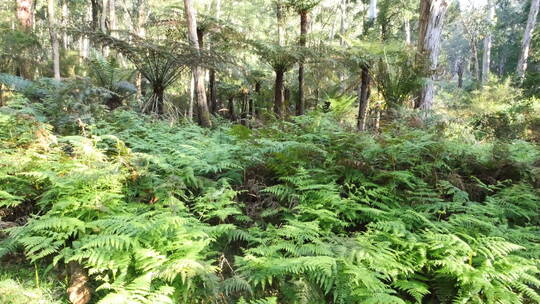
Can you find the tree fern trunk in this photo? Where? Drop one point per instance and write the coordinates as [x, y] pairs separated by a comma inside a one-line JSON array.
[[363, 99], [279, 93]]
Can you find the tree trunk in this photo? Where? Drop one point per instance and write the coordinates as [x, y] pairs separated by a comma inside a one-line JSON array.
[[232, 114], [191, 96], [363, 99], [432, 13], [526, 42], [213, 91], [96, 9], [476, 64], [103, 24], [54, 40], [487, 43], [279, 93], [300, 105], [372, 13], [460, 71], [24, 13], [200, 90], [65, 17], [407, 30], [257, 96], [279, 16]]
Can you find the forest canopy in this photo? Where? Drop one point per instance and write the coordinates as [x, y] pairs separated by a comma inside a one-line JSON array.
[[269, 151]]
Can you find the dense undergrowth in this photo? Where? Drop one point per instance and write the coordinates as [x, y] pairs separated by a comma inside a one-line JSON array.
[[294, 212]]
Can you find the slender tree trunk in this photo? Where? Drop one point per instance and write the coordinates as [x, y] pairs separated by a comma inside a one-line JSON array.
[[432, 13], [279, 93], [103, 24], [279, 16], [25, 13], [232, 114], [475, 61], [300, 105], [213, 91], [487, 43], [257, 96], [96, 9], [372, 12], [212, 77], [460, 71], [200, 90], [363, 99], [407, 30], [65, 19], [191, 96], [54, 39], [112, 18], [526, 42]]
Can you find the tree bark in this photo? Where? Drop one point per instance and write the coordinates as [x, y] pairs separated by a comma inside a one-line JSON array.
[[96, 9], [191, 96], [432, 13], [363, 99], [487, 43], [232, 114], [460, 71], [65, 19], [300, 105], [526, 42], [257, 96], [200, 90], [213, 91], [407, 30], [279, 95], [476, 64], [54, 39]]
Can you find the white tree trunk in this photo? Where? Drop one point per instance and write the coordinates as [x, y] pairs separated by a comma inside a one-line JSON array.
[[487, 43], [54, 39], [526, 43], [65, 17], [432, 13], [372, 12], [200, 90], [407, 30]]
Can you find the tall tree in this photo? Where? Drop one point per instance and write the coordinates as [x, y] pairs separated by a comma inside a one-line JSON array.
[[432, 14], [200, 90], [302, 7], [526, 42], [487, 42], [54, 39]]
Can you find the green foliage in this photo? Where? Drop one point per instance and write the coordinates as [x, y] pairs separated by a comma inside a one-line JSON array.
[[294, 212]]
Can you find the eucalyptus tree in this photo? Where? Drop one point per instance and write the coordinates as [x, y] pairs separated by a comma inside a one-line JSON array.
[[487, 42], [198, 71], [432, 15], [55, 47], [527, 37]]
